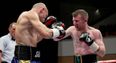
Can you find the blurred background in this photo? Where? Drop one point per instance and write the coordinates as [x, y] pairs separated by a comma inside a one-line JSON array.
[[102, 15]]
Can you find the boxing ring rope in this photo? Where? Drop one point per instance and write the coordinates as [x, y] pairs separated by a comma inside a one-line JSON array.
[[107, 61]]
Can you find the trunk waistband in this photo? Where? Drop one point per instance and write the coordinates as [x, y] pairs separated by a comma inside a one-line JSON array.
[[26, 52], [89, 58], [4, 62]]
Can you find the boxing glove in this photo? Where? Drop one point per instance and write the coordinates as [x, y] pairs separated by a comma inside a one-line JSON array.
[[89, 41], [59, 27], [50, 20]]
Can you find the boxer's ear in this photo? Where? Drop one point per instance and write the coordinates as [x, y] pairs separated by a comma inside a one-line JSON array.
[[86, 19]]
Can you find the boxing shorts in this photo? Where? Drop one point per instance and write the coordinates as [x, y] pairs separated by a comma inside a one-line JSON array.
[[89, 58], [26, 54], [4, 62]]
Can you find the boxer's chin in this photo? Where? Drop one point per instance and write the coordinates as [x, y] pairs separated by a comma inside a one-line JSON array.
[[42, 20], [76, 26]]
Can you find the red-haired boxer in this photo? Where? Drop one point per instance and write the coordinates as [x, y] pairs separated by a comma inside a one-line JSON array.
[[87, 40], [30, 29]]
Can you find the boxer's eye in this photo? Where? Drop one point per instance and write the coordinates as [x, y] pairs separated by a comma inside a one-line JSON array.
[[76, 20]]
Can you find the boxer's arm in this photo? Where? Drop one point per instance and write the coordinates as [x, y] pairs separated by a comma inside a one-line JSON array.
[[39, 26], [67, 33], [99, 41]]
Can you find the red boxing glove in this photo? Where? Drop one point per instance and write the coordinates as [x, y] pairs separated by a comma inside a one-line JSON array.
[[50, 20]]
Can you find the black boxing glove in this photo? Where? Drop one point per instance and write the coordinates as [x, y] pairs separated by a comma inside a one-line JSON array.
[[50, 20], [89, 41]]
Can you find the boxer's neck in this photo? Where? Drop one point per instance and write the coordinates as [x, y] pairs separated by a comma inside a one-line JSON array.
[[84, 28]]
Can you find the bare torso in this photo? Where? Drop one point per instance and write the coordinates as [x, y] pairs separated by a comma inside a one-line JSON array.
[[81, 48], [25, 33]]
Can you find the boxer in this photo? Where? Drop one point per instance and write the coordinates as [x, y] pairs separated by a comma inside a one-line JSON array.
[[87, 40], [30, 30]]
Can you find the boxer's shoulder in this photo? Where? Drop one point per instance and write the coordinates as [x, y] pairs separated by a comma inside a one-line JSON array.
[[72, 27], [22, 15], [27, 13], [94, 30]]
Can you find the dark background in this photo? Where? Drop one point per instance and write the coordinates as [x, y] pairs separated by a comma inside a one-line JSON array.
[[62, 9], [10, 10]]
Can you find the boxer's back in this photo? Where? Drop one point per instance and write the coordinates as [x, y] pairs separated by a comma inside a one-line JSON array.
[[25, 32]]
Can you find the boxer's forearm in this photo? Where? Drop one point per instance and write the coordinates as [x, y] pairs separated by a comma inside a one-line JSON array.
[[48, 34], [101, 51], [43, 30]]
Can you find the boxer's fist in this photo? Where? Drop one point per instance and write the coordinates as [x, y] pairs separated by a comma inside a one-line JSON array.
[[86, 38], [50, 20], [60, 26], [89, 41]]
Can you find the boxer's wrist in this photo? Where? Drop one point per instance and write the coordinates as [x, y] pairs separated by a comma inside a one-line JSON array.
[[94, 46], [58, 32]]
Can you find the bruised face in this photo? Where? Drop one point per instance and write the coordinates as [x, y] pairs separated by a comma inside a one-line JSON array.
[[43, 14], [78, 21]]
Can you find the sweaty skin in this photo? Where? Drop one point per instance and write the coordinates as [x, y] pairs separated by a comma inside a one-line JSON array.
[[29, 29], [81, 47]]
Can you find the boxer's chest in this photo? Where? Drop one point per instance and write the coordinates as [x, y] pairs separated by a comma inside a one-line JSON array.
[[76, 34]]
